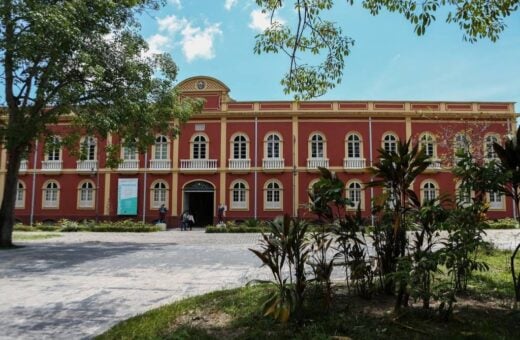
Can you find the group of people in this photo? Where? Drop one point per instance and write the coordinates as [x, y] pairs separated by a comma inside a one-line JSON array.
[[187, 220]]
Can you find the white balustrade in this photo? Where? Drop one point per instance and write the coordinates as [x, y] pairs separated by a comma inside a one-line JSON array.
[[160, 164], [128, 164], [273, 205], [199, 164], [315, 163], [239, 205], [435, 164], [87, 165], [51, 165], [273, 163], [23, 165], [354, 163], [241, 164]]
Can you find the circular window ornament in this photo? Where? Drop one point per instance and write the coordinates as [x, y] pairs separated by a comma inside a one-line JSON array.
[[201, 85]]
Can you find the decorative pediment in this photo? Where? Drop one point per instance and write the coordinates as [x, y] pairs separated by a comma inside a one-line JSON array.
[[202, 84]]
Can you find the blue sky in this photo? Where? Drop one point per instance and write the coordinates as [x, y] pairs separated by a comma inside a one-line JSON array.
[[387, 62]]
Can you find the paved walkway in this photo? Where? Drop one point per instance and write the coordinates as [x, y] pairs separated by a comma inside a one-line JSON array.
[[81, 284]]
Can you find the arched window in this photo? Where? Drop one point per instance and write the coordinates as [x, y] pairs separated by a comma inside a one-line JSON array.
[[354, 194], [86, 195], [489, 151], [159, 194], [239, 195], [428, 144], [129, 152], [273, 196], [461, 144], [390, 143], [463, 195], [317, 149], [53, 146], [353, 146], [273, 146], [496, 200], [88, 148], [240, 147], [429, 191], [20, 195], [51, 195], [161, 148], [200, 147]]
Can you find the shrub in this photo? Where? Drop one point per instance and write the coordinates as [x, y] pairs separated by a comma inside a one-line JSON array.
[[505, 223], [23, 227]]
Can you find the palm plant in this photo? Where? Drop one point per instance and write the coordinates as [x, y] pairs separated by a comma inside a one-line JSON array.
[[395, 172], [509, 155]]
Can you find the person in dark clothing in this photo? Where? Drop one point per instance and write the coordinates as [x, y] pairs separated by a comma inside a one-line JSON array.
[[162, 213]]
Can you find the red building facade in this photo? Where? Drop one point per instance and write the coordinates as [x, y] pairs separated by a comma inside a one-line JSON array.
[[258, 158]]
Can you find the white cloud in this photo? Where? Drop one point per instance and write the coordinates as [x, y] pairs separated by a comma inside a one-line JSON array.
[[157, 43], [197, 42], [260, 21], [171, 24], [229, 4], [176, 3]]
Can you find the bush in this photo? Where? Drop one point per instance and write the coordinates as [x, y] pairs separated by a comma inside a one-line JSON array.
[[505, 223], [23, 227], [239, 229], [125, 226]]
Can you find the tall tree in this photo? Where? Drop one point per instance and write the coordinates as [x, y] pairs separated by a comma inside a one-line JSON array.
[[311, 34], [83, 59]]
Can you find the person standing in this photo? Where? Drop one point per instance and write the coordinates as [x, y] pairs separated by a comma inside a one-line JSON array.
[[162, 213]]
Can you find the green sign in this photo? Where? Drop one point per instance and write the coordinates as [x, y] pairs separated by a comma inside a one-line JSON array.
[[127, 196]]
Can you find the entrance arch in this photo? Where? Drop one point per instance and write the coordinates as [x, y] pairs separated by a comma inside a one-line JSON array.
[[199, 199]]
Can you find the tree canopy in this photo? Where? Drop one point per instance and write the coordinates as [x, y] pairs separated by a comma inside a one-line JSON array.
[[85, 60], [312, 34]]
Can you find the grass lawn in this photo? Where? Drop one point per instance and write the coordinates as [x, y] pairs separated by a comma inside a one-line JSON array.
[[29, 236], [485, 313]]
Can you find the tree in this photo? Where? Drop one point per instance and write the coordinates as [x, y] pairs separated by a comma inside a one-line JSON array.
[[86, 61], [312, 34]]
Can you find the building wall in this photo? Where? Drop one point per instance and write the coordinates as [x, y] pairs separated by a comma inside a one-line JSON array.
[[295, 123]]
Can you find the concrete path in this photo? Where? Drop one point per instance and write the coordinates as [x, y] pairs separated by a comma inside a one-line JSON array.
[[81, 284]]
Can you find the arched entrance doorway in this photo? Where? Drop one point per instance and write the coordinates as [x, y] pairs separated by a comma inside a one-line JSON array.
[[199, 199]]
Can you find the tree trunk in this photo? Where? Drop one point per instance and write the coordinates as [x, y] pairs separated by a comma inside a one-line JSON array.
[[9, 199], [516, 281]]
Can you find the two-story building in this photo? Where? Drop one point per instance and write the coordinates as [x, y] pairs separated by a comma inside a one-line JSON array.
[[259, 158]]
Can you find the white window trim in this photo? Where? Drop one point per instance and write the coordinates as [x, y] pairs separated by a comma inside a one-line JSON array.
[[232, 203], [45, 202], [20, 204], [362, 194], [280, 145], [155, 205], [79, 201], [280, 202]]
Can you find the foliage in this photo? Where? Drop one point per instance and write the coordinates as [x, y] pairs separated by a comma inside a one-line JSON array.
[[65, 225], [238, 229], [363, 319], [395, 172], [285, 248], [479, 178], [313, 35], [504, 223], [515, 275], [253, 223], [509, 155], [83, 60], [465, 228]]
